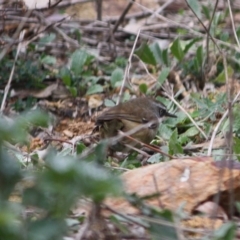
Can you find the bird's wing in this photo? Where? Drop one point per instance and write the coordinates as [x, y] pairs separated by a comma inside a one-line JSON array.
[[113, 115]]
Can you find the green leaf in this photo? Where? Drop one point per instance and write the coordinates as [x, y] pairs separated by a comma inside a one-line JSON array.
[[236, 147], [190, 44], [96, 88], [161, 231], [225, 232], [155, 158], [191, 132], [80, 148], [163, 75], [220, 79], [165, 57], [164, 131], [176, 50], [183, 140], [47, 38], [174, 146], [145, 54], [199, 57], [143, 88], [116, 77], [109, 103], [207, 11], [65, 75], [47, 228], [96, 182], [195, 6], [73, 91], [157, 52], [78, 60], [49, 60]]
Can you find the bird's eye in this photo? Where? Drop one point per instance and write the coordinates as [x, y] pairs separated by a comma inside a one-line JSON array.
[[144, 120], [162, 112], [153, 126]]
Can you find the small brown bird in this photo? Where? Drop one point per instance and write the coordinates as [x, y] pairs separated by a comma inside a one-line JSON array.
[[141, 113]]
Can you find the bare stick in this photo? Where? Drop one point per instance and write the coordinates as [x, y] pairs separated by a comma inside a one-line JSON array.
[[7, 88], [233, 25], [119, 21], [20, 26], [208, 31], [127, 70], [99, 9], [160, 9]]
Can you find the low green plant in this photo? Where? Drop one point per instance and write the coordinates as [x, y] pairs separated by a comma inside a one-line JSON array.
[[54, 188]]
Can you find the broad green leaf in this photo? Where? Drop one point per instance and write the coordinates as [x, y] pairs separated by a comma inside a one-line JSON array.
[[116, 77], [49, 60], [190, 44], [163, 75], [174, 146], [195, 6], [156, 158], [96, 88], [183, 140], [161, 231], [176, 50], [143, 88], [164, 131], [15, 130], [207, 11], [156, 50], [165, 57], [191, 132], [109, 103], [65, 75], [225, 232], [78, 60], [80, 148], [220, 79], [87, 179], [145, 54]]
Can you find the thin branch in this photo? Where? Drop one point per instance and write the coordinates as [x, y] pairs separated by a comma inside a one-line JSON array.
[[15, 36], [127, 70], [119, 21], [208, 31], [205, 28], [160, 9], [145, 145], [7, 88], [233, 24]]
